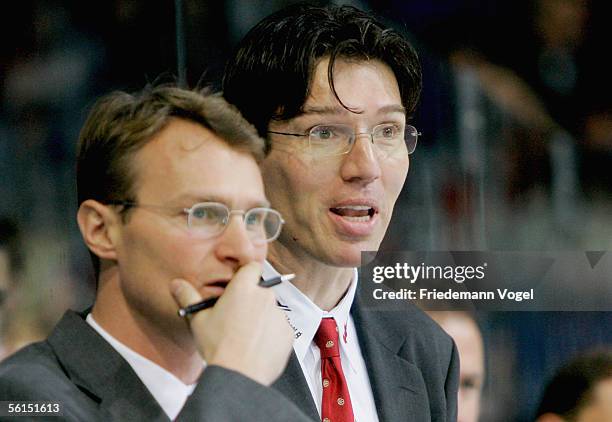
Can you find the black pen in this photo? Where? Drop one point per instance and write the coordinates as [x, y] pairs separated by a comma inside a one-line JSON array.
[[209, 303]]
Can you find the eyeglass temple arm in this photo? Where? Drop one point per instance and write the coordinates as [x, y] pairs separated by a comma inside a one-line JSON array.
[[289, 134]]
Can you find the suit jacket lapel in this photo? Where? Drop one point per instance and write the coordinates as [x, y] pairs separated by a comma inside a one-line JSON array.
[[398, 386], [293, 385], [101, 373]]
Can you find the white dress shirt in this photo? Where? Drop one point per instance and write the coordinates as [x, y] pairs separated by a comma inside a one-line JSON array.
[[168, 390], [304, 317]]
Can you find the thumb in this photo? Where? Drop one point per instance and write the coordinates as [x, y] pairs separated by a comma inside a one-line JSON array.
[[184, 293]]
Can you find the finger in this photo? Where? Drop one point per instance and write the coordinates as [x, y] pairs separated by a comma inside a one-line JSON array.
[[184, 293], [248, 274]]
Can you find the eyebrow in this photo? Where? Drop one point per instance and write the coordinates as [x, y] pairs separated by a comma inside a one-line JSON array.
[[335, 110], [195, 199]]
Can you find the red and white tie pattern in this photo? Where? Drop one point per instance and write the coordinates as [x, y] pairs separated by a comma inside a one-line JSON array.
[[336, 406]]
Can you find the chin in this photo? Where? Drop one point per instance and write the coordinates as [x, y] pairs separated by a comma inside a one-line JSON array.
[[347, 262], [350, 255]]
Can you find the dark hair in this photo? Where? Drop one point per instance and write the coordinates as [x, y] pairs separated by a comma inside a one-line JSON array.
[[571, 387], [271, 71], [10, 240], [120, 124]]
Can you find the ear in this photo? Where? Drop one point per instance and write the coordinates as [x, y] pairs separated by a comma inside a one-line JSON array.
[[99, 225], [550, 417]]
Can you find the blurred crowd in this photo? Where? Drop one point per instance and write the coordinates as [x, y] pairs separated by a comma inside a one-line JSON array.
[[516, 116]]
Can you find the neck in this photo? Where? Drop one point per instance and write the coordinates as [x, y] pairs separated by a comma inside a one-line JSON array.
[[175, 353], [324, 284]]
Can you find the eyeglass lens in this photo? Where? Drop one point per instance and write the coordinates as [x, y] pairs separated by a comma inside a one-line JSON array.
[[338, 139], [211, 219]]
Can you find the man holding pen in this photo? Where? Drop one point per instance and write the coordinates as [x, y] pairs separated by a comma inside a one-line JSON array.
[[173, 211]]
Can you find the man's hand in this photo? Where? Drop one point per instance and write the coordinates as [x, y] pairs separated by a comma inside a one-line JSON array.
[[245, 331]]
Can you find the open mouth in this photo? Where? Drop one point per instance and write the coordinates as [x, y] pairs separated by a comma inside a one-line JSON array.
[[356, 213]]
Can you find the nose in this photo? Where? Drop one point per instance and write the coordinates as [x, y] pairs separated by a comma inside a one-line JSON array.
[[236, 247], [361, 164]]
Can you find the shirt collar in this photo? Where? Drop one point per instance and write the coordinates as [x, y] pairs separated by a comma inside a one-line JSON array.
[[170, 392], [304, 316]]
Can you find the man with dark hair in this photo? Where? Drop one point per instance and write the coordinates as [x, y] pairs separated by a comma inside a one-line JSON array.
[[10, 267], [172, 208], [331, 89], [10, 256], [580, 391]]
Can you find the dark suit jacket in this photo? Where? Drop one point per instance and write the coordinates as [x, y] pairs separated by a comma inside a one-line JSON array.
[[77, 368], [412, 364]]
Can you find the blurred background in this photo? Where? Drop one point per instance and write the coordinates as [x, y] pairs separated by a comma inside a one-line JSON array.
[[516, 152]]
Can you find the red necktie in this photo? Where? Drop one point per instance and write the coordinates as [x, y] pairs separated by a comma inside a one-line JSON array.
[[336, 405]]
